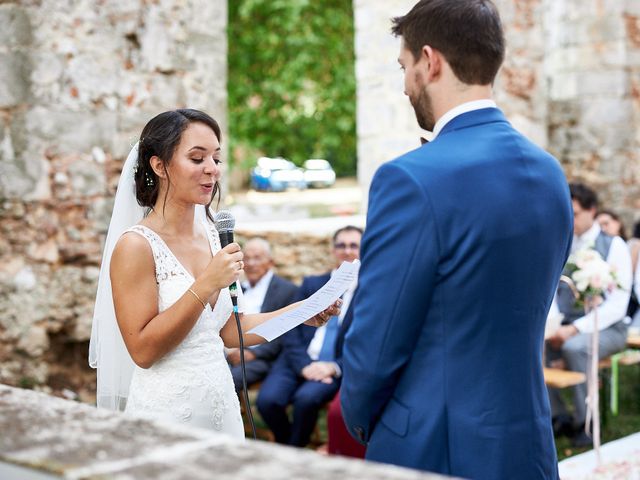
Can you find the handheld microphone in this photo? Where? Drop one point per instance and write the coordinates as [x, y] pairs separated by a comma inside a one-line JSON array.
[[225, 223]]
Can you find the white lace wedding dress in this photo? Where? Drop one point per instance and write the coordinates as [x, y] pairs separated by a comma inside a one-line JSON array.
[[192, 384]]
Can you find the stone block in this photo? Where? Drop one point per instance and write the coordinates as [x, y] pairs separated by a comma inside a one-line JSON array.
[[72, 132], [533, 130], [25, 279], [87, 178], [47, 68], [14, 183], [212, 15], [93, 76], [609, 83], [616, 111], [563, 86], [14, 79], [44, 251], [616, 137], [79, 441], [15, 27], [34, 342], [631, 7]]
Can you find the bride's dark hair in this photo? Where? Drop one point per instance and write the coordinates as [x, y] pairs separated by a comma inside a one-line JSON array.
[[160, 137]]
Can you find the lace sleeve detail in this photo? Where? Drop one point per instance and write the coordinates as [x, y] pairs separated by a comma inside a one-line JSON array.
[[167, 266]]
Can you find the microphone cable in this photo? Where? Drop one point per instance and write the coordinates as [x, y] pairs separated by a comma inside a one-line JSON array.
[[245, 392]]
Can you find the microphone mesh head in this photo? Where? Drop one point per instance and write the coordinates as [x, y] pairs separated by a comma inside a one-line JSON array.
[[224, 221]]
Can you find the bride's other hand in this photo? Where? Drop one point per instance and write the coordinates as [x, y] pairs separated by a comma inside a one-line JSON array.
[[225, 267], [323, 317]]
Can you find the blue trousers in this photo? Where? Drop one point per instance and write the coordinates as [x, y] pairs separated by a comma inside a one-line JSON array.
[[283, 387]]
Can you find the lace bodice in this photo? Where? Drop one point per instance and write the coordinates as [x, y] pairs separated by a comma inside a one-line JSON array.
[[194, 379]]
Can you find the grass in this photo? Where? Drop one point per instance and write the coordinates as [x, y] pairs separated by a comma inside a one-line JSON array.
[[625, 423]]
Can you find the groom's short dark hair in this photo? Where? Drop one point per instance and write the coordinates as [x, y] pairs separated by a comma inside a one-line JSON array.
[[585, 196], [467, 32]]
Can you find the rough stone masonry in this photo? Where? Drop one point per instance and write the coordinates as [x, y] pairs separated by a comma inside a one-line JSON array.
[[78, 80]]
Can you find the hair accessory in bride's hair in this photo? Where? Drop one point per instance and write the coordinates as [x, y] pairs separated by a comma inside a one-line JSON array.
[[148, 180]]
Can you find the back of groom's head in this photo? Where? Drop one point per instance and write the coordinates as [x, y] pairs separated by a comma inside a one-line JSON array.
[[584, 195], [468, 33]]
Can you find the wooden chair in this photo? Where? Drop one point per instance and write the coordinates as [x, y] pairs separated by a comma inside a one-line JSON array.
[[559, 378]]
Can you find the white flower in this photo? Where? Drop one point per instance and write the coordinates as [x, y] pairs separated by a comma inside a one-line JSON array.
[[592, 272]]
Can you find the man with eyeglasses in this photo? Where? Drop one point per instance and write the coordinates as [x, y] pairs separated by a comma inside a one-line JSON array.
[[307, 373]]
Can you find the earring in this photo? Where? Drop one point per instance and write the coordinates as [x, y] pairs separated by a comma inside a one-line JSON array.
[[148, 180]]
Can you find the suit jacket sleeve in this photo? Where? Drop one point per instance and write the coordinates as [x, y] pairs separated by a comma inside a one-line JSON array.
[[399, 253], [344, 328], [268, 351]]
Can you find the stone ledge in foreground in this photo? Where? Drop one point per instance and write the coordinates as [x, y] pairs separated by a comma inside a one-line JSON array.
[[78, 441]]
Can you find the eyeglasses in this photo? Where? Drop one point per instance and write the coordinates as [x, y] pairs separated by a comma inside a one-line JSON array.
[[344, 246]]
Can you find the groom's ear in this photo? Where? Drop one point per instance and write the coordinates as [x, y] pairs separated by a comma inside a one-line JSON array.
[[158, 166]]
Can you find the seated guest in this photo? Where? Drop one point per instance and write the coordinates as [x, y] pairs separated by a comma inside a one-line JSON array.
[[611, 224], [307, 373], [264, 291], [634, 308], [572, 340], [634, 245]]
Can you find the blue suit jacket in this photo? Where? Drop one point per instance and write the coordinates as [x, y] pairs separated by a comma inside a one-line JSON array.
[[296, 341], [465, 242]]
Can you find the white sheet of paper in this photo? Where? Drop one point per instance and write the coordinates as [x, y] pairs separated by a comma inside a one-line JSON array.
[[322, 299]]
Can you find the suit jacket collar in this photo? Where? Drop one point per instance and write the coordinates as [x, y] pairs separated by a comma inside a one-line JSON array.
[[459, 110], [473, 118], [273, 296]]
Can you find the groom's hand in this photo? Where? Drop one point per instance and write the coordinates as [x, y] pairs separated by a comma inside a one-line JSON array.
[[319, 372], [563, 334]]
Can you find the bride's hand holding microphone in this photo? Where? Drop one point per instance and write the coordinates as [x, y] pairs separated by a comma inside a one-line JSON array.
[[223, 270]]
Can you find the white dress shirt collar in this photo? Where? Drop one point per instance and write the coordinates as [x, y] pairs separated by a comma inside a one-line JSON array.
[[588, 238], [459, 110], [254, 296]]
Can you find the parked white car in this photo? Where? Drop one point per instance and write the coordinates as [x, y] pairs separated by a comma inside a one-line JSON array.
[[318, 173], [276, 175]]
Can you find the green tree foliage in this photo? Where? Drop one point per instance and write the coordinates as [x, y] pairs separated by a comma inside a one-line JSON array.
[[291, 81]]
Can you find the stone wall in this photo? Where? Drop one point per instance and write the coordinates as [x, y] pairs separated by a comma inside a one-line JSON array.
[[570, 82], [78, 81], [593, 67], [386, 123]]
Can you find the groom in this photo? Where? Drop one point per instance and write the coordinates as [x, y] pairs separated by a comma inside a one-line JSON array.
[[466, 238]]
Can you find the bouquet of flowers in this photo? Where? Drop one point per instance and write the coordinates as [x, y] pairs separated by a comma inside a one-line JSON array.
[[591, 276]]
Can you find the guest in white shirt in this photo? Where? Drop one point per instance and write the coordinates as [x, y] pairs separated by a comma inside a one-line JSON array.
[[572, 340], [264, 291]]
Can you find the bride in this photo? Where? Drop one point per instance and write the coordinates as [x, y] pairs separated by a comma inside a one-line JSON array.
[[163, 311]]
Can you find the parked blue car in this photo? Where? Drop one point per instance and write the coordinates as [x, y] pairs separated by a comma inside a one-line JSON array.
[[276, 175]]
